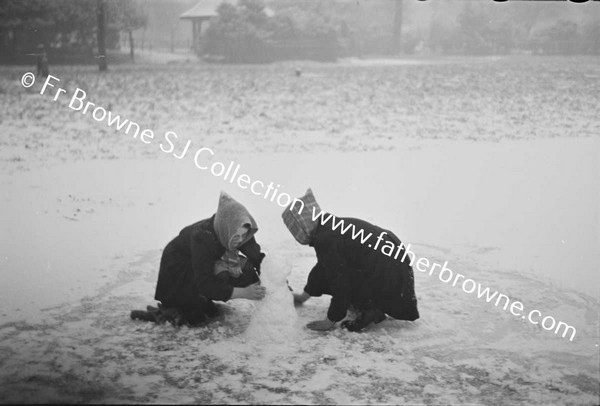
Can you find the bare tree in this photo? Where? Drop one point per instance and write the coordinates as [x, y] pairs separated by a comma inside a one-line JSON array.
[[397, 30], [100, 12]]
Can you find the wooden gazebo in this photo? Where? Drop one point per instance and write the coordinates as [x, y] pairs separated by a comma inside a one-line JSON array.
[[201, 12], [204, 11]]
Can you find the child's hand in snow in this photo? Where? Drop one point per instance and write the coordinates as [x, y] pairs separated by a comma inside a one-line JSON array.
[[321, 325], [252, 292], [300, 298]]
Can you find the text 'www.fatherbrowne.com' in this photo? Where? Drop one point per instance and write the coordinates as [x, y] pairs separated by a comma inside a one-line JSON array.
[[444, 273]]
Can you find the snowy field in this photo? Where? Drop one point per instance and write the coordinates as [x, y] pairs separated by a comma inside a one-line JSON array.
[[491, 164]]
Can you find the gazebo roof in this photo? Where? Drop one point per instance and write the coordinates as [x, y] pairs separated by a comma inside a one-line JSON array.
[[208, 9], [204, 9]]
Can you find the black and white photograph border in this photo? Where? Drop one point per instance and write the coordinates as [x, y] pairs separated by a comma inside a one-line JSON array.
[[300, 202]]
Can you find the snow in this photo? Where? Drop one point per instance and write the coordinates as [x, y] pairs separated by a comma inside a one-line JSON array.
[[87, 213]]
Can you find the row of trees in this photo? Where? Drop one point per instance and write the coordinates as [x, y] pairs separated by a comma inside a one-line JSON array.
[[245, 33], [78, 30], [320, 29], [69, 30], [476, 32]]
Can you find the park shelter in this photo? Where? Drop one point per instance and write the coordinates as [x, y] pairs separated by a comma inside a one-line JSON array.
[[201, 14]]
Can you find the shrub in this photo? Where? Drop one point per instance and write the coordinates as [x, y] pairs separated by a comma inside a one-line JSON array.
[[559, 38], [238, 33], [591, 38], [245, 34]]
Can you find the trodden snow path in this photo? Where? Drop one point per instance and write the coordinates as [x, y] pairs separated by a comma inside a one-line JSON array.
[[462, 350], [502, 202]]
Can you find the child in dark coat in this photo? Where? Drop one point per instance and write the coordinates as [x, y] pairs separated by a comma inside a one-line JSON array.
[[351, 271], [203, 263]]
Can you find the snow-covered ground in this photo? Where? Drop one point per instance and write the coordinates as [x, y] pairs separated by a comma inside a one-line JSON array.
[[484, 165]]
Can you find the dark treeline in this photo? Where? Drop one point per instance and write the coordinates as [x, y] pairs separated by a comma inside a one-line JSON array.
[[258, 31], [537, 27], [321, 29], [67, 30]]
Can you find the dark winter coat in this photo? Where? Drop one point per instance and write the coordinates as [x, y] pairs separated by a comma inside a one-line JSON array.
[[186, 276], [355, 273]]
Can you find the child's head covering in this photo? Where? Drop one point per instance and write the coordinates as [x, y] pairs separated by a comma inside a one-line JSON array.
[[299, 217], [232, 218]]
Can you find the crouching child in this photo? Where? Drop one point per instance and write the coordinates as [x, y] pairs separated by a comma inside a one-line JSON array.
[[353, 272], [216, 258]]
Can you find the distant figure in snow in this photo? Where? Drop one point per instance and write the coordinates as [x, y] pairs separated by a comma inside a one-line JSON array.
[[203, 263], [353, 273], [42, 62]]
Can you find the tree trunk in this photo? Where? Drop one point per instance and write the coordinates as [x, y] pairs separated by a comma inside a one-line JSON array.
[[13, 45], [397, 34], [131, 54], [194, 35], [102, 63], [172, 40]]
